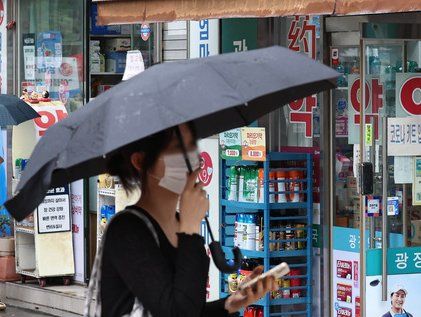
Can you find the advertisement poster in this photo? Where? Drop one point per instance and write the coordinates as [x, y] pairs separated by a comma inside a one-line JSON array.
[[408, 94], [29, 56], [230, 144], [403, 283], [253, 141], [209, 175], [54, 211], [204, 38], [404, 136], [49, 51], [345, 276]]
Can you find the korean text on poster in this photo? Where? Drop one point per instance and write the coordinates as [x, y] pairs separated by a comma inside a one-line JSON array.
[[404, 136], [54, 212], [253, 142], [230, 144]]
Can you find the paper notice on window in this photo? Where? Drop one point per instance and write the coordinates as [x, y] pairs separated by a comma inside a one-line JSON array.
[[416, 186], [134, 64], [404, 169]]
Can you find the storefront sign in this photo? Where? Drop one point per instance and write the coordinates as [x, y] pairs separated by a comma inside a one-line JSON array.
[[238, 35], [253, 142], [134, 64], [408, 94], [204, 38], [54, 212], [230, 144], [404, 136], [373, 105], [302, 38], [145, 31], [416, 186], [50, 114]]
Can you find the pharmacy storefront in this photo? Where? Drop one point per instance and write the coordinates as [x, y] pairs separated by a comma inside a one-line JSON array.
[[375, 202]]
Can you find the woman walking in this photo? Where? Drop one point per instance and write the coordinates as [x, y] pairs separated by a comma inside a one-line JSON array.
[[153, 253]]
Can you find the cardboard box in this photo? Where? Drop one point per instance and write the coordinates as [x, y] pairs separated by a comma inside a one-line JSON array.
[[115, 62], [100, 29], [118, 45]]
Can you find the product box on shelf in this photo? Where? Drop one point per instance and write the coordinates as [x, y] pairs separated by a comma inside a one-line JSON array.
[[115, 62], [118, 45], [101, 29]]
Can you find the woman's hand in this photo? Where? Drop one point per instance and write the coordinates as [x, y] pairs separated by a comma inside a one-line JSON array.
[[248, 296], [194, 204]]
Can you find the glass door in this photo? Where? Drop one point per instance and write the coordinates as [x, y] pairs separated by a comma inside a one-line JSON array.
[[390, 147]]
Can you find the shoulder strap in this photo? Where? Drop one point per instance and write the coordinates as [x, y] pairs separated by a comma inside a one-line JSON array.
[[95, 280]]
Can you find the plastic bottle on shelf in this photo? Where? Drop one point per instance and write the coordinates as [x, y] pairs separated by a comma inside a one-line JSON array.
[[261, 185], [241, 172], [250, 228], [294, 187], [233, 184], [281, 177]]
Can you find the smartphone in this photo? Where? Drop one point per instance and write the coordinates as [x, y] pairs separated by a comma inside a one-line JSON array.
[[277, 271]]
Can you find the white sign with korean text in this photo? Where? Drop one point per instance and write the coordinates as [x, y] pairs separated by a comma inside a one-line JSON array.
[[78, 226], [204, 38], [134, 64], [404, 136], [54, 212]]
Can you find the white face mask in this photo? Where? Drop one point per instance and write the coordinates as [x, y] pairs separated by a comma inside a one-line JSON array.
[[175, 175]]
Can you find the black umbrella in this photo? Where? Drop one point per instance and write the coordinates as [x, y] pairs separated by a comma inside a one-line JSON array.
[[14, 111], [215, 93]]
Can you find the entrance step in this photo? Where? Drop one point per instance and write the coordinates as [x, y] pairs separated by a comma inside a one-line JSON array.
[[65, 301]]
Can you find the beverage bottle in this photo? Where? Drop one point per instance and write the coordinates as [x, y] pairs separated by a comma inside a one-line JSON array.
[[241, 171], [251, 232], [294, 196], [18, 168]]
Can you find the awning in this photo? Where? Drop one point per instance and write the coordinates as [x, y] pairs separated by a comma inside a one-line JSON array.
[[138, 11]]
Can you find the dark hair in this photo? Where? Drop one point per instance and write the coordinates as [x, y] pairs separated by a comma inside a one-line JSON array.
[[119, 163]]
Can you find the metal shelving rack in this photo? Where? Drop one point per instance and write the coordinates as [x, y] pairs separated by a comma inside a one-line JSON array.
[[289, 211]]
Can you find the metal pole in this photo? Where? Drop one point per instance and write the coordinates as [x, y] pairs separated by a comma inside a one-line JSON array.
[[404, 215], [362, 198], [384, 213]]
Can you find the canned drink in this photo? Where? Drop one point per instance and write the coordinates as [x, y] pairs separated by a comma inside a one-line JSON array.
[[286, 291], [294, 282], [281, 243], [300, 234], [272, 187], [289, 234]]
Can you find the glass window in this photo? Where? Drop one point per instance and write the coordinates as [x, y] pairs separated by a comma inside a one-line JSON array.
[[51, 50]]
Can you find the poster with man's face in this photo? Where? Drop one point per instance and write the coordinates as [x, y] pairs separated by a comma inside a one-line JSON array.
[[404, 296]]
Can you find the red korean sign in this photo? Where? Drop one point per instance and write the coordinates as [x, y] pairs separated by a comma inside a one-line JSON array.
[[50, 113], [302, 38], [372, 106], [344, 312], [408, 94]]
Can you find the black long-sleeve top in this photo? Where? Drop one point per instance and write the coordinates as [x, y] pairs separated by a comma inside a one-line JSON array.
[[168, 281]]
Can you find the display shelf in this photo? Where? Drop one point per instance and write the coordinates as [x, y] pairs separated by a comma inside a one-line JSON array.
[[27, 230], [106, 74], [109, 36], [106, 192], [277, 218]]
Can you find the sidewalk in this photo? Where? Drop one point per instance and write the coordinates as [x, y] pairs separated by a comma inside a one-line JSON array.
[[67, 301]]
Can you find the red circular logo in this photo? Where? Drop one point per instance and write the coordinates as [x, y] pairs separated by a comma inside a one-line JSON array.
[[1, 12], [206, 168], [410, 95]]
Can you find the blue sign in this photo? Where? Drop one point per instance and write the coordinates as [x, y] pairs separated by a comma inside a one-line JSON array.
[[392, 206]]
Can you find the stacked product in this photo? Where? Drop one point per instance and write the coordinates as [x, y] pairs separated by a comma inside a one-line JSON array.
[[282, 232], [246, 184], [289, 286], [248, 234], [96, 59]]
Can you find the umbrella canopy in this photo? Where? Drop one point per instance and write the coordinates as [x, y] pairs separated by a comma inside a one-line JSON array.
[[14, 111], [215, 93]]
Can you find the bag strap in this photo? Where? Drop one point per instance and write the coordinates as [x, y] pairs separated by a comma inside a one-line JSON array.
[[95, 280]]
